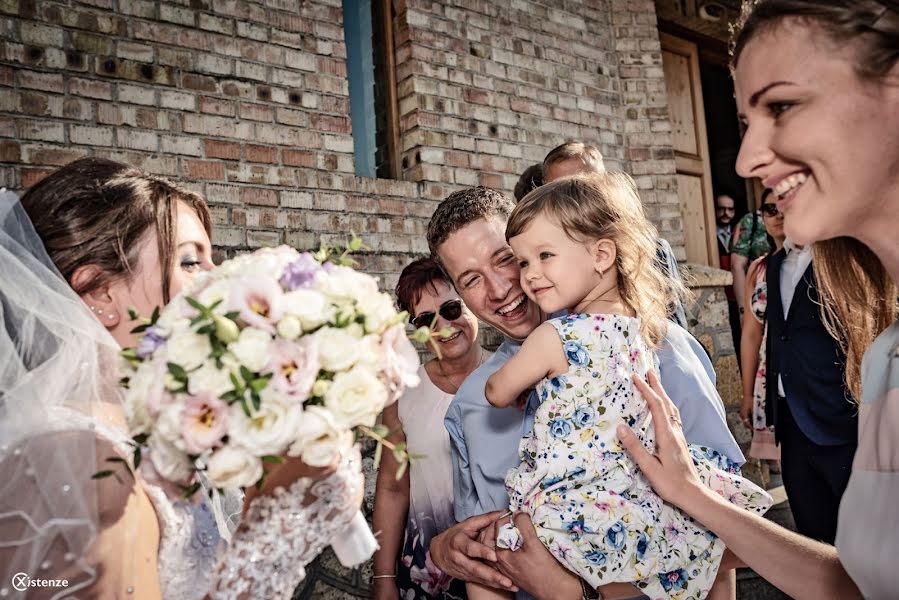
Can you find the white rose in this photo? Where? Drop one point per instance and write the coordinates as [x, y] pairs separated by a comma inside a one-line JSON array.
[[309, 306], [289, 328], [231, 467], [343, 283], [270, 429], [171, 463], [209, 378], [379, 312], [252, 348], [168, 426], [371, 354], [217, 290], [337, 350], [143, 397], [356, 397], [188, 349], [319, 438]]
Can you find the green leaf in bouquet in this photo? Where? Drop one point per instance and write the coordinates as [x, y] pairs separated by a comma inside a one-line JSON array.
[[261, 481], [129, 354], [399, 452], [187, 492], [121, 461], [401, 470], [141, 438], [124, 381], [177, 371], [138, 456], [257, 402], [215, 304], [103, 474], [232, 315], [206, 329], [245, 407], [272, 459], [260, 383], [195, 304], [141, 328], [155, 316], [247, 374], [380, 430], [132, 313], [238, 386], [379, 450]]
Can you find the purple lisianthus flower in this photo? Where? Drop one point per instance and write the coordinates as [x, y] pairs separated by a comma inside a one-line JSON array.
[[151, 340], [300, 273]]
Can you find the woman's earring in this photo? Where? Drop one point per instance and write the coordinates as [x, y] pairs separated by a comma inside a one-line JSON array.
[[99, 311]]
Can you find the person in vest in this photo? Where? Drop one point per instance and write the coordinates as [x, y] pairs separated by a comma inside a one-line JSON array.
[[814, 415]]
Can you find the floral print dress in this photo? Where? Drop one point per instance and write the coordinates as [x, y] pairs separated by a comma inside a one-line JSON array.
[[763, 445], [591, 506]]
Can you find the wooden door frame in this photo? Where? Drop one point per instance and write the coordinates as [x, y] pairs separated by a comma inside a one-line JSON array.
[[689, 165]]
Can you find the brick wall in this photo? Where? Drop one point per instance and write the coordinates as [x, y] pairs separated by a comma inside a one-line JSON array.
[[247, 103]]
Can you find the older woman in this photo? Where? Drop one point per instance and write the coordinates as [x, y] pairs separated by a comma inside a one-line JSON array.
[[413, 508], [817, 85]]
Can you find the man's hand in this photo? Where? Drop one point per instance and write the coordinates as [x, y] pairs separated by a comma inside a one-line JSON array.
[[459, 553], [532, 567]]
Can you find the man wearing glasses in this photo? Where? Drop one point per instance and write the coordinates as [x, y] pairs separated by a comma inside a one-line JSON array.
[[467, 235], [724, 219]]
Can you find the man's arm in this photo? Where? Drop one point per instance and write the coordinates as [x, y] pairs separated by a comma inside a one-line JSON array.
[[687, 373]]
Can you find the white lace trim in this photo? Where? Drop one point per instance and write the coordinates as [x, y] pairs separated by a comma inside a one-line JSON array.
[[282, 532]]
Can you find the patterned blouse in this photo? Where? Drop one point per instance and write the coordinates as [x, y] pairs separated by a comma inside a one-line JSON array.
[[750, 244]]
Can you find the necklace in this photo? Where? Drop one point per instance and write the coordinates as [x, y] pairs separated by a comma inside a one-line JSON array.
[[455, 385]]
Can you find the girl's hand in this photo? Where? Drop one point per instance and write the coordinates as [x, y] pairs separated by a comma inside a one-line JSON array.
[[670, 470]]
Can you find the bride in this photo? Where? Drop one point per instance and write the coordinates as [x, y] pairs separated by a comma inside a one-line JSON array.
[[84, 246]]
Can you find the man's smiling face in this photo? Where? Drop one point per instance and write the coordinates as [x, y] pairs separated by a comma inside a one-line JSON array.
[[486, 275]]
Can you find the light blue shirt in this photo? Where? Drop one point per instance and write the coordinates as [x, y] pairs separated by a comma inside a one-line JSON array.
[[485, 439]]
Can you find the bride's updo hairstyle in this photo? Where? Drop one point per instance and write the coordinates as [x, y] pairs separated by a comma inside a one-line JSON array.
[[96, 212]]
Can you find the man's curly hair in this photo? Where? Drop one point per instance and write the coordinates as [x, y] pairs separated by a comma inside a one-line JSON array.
[[463, 207]]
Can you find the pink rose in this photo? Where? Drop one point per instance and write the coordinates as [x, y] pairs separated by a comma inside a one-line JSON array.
[[401, 362], [256, 299], [295, 366], [204, 422]]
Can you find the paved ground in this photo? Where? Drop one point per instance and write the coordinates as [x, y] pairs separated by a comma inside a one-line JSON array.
[[749, 585]]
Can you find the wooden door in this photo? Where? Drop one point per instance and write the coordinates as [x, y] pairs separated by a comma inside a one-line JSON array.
[[680, 62]]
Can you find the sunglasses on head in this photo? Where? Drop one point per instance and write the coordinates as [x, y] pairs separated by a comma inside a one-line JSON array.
[[449, 310], [770, 210]]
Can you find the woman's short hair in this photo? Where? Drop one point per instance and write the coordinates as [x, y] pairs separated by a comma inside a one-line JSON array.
[[418, 275]]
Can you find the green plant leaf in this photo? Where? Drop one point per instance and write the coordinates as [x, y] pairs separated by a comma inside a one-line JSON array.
[[272, 459], [102, 474]]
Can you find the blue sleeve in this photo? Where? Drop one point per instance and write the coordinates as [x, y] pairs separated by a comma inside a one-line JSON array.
[[464, 495], [689, 380]]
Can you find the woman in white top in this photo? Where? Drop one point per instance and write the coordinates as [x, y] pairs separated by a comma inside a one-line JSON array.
[[409, 511], [817, 86]]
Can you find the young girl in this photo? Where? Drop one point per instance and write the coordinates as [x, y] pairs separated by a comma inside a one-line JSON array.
[[584, 246]]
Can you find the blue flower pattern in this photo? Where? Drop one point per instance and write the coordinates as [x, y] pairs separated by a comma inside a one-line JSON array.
[[591, 506]]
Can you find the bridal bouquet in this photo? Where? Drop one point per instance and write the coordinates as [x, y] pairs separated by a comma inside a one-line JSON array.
[[272, 354]]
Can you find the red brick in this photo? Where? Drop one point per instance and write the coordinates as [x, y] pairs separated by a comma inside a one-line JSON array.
[[204, 169], [41, 81], [491, 180], [10, 151], [476, 96], [262, 154], [298, 158], [329, 123], [32, 176], [216, 106], [54, 155], [218, 149], [6, 75], [260, 196], [198, 82], [255, 112]]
